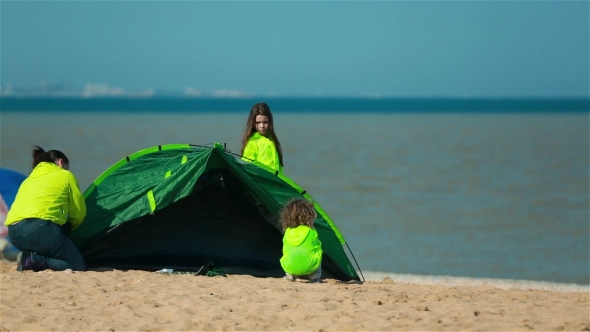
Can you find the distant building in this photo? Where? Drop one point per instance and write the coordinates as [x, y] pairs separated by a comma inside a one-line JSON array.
[[101, 90], [192, 92]]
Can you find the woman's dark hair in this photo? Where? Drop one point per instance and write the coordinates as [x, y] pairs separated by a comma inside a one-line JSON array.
[[51, 156], [261, 109]]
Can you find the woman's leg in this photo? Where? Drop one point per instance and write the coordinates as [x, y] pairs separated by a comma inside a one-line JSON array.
[[50, 248]]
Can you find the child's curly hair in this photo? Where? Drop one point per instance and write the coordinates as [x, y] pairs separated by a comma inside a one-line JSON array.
[[298, 212]]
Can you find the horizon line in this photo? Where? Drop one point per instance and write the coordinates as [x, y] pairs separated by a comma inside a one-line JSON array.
[[293, 96]]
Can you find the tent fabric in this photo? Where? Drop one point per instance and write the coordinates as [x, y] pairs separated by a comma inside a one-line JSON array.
[[10, 181], [179, 206]]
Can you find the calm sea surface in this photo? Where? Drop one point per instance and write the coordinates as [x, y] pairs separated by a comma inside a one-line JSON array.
[[473, 194]]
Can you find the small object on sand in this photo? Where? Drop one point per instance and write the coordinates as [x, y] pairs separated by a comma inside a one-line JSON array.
[[165, 271]]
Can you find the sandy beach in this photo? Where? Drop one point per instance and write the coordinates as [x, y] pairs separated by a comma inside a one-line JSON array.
[[114, 300]]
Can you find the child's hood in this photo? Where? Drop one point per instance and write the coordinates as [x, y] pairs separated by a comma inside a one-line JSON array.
[[296, 236]]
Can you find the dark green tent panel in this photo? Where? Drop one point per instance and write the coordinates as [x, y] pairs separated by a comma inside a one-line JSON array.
[[180, 206]]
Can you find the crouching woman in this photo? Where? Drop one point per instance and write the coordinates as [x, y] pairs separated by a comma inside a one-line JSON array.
[[48, 204]]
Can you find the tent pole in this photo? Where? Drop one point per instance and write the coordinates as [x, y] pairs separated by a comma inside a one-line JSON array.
[[357, 264]]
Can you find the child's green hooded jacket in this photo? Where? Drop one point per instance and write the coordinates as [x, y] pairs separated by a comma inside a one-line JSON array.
[[302, 251], [263, 150]]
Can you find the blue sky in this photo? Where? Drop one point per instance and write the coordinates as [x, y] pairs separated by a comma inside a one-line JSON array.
[[395, 48]]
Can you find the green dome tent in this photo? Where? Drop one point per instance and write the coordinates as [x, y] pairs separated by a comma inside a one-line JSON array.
[[181, 206]]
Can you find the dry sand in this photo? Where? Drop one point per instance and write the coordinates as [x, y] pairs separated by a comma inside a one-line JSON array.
[[138, 300]]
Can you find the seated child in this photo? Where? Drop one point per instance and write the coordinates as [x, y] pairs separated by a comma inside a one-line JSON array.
[[302, 249]]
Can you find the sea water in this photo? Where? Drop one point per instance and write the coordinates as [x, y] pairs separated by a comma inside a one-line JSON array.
[[429, 194]]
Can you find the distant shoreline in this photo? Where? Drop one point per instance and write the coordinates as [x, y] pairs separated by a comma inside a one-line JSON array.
[[293, 97]]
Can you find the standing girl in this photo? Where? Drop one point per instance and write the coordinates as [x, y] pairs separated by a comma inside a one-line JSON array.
[[260, 142]]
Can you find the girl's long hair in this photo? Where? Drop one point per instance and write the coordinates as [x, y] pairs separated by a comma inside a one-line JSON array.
[[51, 156], [261, 109]]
